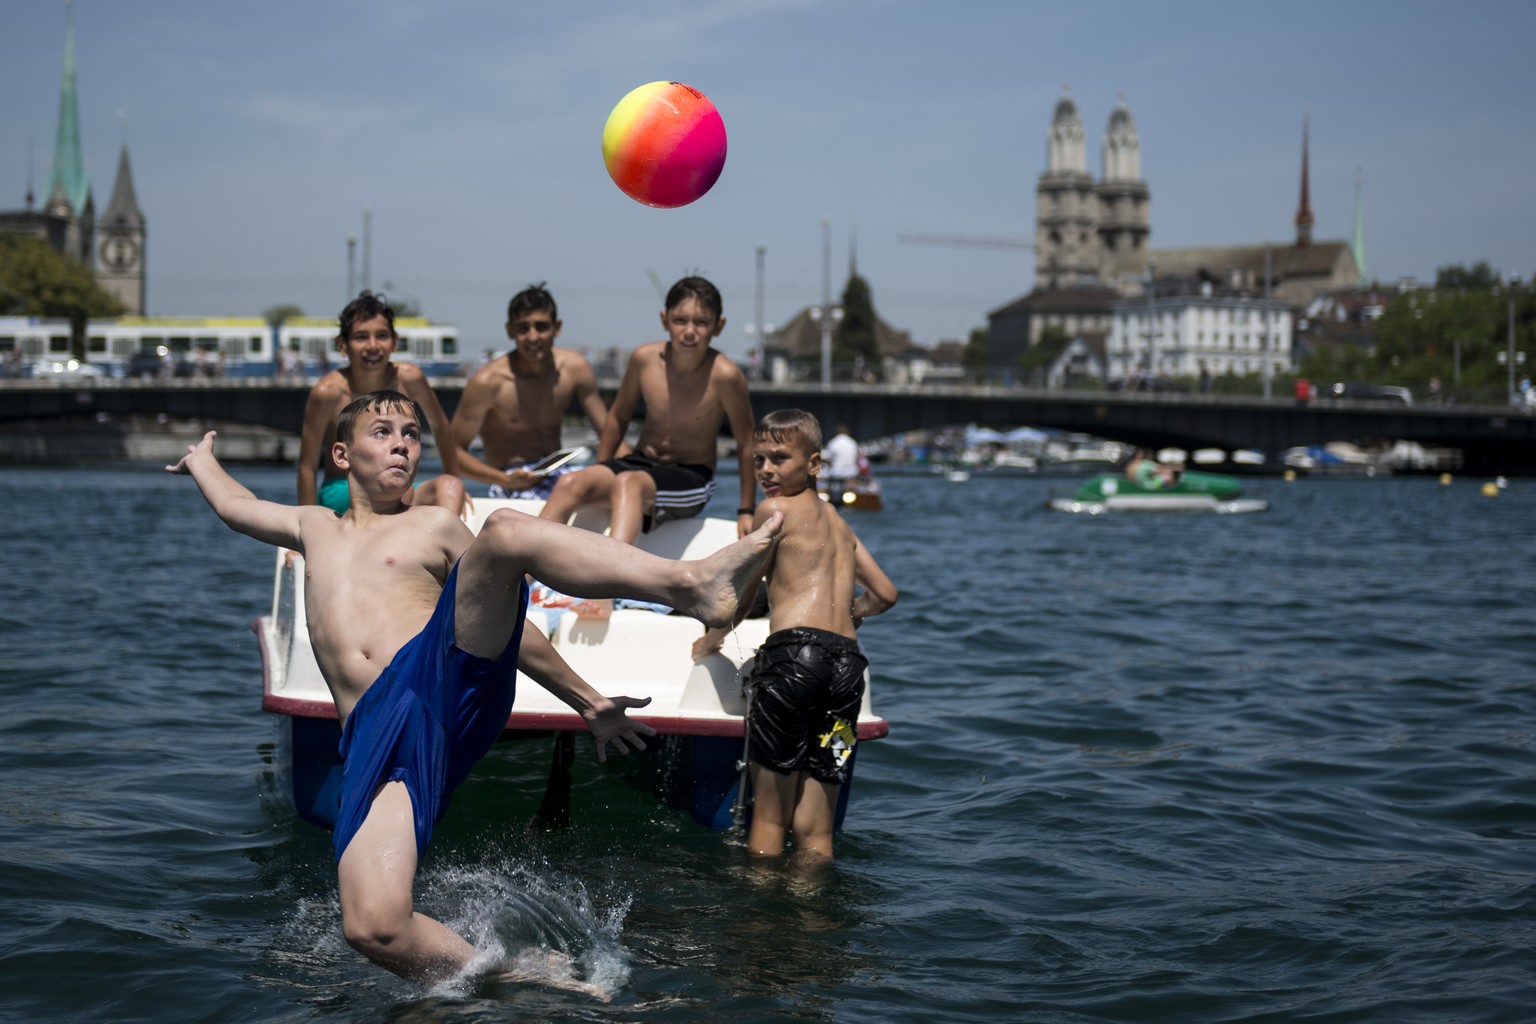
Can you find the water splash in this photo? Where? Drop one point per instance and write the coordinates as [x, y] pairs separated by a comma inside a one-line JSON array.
[[532, 925]]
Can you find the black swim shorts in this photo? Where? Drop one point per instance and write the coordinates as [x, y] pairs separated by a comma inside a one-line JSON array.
[[682, 489], [808, 687]]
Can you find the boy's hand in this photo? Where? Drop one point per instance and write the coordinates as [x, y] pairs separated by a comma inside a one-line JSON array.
[[205, 445], [708, 644], [518, 480], [609, 724]]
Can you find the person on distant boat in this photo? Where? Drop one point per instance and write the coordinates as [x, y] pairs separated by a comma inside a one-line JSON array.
[[516, 403], [367, 338], [808, 683], [841, 460], [417, 628], [1146, 472], [689, 390]]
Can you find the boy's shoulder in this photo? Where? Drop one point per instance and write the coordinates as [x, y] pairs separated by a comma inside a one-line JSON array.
[[408, 373], [332, 384], [492, 372], [800, 509]]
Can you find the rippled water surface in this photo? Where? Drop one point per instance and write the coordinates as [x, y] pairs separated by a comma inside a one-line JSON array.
[[1274, 767]]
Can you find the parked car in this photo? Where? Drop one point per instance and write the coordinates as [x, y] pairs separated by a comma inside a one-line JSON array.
[[158, 362], [67, 369], [1371, 393]]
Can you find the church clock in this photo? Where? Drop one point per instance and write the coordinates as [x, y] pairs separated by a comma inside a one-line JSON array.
[[119, 252]]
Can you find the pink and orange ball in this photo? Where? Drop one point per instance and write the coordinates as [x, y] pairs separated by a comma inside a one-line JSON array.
[[664, 144]]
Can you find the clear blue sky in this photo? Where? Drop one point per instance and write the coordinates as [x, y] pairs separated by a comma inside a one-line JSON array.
[[260, 132]]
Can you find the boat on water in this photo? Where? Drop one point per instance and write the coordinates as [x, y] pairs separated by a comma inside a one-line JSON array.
[[859, 494], [1194, 491], [698, 709]]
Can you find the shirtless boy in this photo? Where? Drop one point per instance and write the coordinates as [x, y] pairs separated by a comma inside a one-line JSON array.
[[809, 675], [416, 625], [516, 403], [367, 339], [689, 390]]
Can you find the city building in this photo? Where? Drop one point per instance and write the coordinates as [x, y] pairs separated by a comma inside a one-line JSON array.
[[112, 245], [1093, 255], [1159, 337]]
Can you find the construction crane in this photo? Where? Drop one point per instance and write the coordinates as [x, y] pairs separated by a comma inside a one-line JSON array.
[[965, 242]]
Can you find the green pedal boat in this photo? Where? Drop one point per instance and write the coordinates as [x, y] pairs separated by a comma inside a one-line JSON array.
[[1194, 491]]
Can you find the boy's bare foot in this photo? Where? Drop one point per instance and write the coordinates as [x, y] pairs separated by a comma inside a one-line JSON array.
[[713, 585], [553, 968]]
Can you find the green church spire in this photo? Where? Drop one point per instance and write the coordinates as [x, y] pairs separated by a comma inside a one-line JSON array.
[[68, 181]]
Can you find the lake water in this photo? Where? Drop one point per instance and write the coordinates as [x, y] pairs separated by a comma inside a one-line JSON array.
[[1276, 767]]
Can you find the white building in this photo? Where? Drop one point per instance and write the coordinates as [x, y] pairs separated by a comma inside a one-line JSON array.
[[1185, 335]]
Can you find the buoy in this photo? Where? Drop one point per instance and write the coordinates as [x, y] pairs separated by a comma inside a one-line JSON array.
[[1290, 476], [1445, 479], [1490, 489]]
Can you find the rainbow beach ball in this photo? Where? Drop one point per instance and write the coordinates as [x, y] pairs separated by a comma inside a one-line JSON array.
[[664, 144]]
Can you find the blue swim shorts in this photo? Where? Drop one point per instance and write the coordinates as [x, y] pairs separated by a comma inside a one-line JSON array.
[[426, 721]]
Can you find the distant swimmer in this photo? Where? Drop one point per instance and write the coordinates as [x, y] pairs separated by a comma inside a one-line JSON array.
[[417, 628]]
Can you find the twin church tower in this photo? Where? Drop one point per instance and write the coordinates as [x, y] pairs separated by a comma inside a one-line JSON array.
[[1087, 231]]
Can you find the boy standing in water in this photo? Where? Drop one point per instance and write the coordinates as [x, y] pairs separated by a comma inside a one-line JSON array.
[[808, 682], [416, 625], [689, 390], [516, 403], [367, 339]]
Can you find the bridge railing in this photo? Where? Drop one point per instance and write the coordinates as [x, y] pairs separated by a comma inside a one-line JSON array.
[[1460, 401]]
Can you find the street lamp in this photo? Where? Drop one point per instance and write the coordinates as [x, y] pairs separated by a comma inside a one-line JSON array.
[[762, 339], [1513, 283], [827, 317], [826, 302], [1269, 369]]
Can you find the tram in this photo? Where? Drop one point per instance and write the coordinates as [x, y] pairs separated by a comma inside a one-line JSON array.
[[217, 346]]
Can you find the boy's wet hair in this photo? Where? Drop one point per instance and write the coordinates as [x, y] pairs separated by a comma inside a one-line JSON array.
[[366, 306], [696, 288], [790, 426], [375, 401], [530, 300]]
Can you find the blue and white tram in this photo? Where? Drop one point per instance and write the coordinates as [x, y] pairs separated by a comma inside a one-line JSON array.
[[218, 346], [194, 346], [310, 343], [25, 340]]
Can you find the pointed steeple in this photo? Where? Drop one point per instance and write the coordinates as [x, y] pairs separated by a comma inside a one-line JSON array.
[[1357, 244], [1304, 209], [123, 209], [68, 182]]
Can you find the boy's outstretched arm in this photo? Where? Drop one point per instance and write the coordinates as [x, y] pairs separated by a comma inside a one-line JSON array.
[[605, 717], [234, 503], [879, 592]]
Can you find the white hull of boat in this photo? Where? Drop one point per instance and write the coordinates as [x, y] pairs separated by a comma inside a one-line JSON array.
[[1159, 503], [636, 652]]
